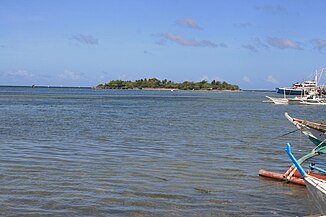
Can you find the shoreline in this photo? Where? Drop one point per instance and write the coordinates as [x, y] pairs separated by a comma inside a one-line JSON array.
[[160, 89], [172, 89], [202, 90]]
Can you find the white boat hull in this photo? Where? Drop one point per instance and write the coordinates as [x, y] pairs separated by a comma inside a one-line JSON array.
[[317, 191], [285, 101], [278, 101], [313, 102]]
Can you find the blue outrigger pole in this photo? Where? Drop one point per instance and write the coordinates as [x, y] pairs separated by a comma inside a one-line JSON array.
[[294, 160], [313, 167]]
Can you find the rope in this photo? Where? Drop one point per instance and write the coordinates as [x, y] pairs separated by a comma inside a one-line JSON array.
[[287, 133]]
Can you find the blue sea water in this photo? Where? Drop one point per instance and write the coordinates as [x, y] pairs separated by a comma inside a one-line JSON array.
[[87, 152]]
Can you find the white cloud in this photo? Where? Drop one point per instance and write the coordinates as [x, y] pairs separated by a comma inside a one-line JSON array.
[[69, 75], [246, 79], [256, 46], [187, 42], [272, 80], [21, 73], [283, 43], [190, 23]]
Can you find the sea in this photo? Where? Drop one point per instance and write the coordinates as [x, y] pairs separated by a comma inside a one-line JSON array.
[[89, 152]]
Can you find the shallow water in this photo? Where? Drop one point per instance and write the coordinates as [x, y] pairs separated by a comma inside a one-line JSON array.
[[84, 152]]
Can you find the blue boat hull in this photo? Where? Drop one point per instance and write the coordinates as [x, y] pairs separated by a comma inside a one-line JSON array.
[[288, 91]]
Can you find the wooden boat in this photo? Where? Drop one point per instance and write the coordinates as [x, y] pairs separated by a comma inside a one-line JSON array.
[[285, 101], [316, 187], [315, 132], [278, 101], [296, 178], [311, 97], [314, 101]]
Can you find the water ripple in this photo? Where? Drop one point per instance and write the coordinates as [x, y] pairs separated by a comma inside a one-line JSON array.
[[137, 153]]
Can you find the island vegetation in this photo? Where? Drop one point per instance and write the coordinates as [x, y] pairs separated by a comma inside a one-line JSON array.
[[154, 83]]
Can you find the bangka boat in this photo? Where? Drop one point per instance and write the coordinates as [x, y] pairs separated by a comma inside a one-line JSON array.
[[278, 101], [311, 97], [313, 100], [316, 187], [315, 132], [285, 101]]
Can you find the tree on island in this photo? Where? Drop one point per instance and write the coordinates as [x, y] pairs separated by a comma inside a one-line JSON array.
[[167, 84]]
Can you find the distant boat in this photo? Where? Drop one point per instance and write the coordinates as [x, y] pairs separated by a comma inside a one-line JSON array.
[[278, 101], [290, 101], [297, 88], [316, 187], [314, 99], [318, 102], [311, 96], [301, 88], [289, 91]]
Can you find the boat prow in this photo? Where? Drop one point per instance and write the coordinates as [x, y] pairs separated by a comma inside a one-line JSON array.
[[289, 117], [278, 101], [315, 132]]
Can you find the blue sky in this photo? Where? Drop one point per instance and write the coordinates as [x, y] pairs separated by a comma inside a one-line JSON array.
[[255, 44]]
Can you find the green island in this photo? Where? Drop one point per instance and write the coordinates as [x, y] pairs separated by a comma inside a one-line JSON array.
[[154, 83]]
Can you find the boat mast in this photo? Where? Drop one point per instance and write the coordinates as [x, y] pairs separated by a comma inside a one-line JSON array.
[[318, 77]]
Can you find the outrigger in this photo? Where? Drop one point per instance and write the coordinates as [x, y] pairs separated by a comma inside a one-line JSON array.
[[317, 134], [316, 187], [291, 175]]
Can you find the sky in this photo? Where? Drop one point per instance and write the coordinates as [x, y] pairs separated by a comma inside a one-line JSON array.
[[256, 44]]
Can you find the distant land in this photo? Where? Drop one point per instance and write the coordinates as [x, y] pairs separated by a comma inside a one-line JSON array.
[[47, 86], [154, 83]]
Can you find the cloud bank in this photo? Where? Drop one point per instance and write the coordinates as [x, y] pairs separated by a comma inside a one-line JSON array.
[[283, 43], [256, 46], [187, 42]]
